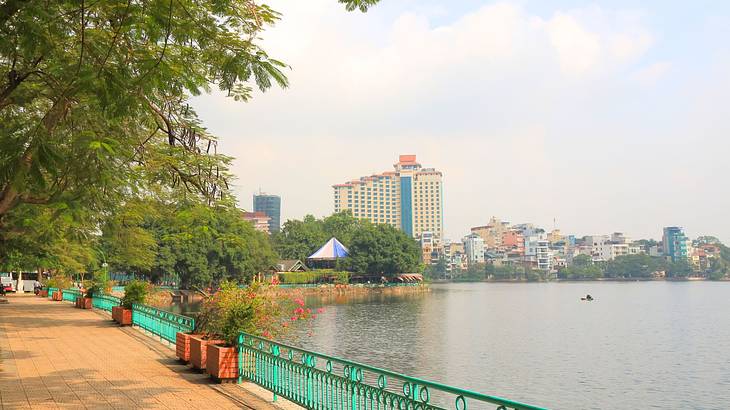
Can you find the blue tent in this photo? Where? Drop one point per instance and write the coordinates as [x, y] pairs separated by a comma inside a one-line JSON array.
[[331, 250]]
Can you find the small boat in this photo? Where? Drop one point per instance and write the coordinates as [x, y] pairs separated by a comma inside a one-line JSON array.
[[587, 298]]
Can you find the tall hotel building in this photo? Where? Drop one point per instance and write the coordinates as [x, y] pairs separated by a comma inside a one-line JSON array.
[[409, 198]]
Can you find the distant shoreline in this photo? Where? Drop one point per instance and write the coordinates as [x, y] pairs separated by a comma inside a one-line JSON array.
[[583, 280]]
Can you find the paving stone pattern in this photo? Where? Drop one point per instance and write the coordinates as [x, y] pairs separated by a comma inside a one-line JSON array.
[[53, 355]]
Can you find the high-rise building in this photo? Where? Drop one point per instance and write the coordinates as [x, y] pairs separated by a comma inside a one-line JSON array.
[[409, 198], [676, 244], [271, 206]]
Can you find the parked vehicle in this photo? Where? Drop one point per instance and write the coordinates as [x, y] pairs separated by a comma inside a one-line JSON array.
[[7, 283]]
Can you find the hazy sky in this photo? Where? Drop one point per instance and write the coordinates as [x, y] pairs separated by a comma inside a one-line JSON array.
[[605, 116]]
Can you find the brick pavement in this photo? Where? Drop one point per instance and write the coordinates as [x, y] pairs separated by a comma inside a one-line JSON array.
[[55, 356]]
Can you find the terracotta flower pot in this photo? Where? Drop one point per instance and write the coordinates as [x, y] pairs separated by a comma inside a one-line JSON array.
[[222, 361], [182, 346], [57, 296], [121, 315], [198, 350], [83, 303]]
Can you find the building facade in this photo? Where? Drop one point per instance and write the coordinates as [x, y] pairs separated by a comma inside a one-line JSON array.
[[259, 220], [271, 206], [474, 248], [676, 244], [409, 198], [492, 232], [537, 249]]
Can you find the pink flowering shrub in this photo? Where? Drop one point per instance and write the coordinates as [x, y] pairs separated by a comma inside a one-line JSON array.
[[259, 309]]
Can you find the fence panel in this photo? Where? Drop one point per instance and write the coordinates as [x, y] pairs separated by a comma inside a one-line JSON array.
[[161, 323], [70, 295], [318, 381], [105, 302]]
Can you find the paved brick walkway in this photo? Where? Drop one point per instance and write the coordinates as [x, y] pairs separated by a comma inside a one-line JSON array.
[[55, 356]]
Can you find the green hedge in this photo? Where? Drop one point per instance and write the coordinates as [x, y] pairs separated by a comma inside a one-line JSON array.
[[316, 276]]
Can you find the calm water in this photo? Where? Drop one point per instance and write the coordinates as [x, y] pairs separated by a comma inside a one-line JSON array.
[[647, 344]]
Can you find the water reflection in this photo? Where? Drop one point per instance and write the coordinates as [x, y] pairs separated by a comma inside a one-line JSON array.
[[657, 344]]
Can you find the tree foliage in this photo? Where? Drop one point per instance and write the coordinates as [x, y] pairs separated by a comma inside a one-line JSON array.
[[374, 249], [93, 97], [384, 250], [300, 238], [199, 244]]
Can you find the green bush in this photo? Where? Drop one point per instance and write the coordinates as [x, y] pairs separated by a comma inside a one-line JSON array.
[[59, 282], [239, 317], [316, 276], [135, 292], [94, 289]]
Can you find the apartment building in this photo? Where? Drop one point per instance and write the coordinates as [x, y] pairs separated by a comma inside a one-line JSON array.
[[409, 198]]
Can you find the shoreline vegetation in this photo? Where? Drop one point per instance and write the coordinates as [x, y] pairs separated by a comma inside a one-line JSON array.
[[637, 279]]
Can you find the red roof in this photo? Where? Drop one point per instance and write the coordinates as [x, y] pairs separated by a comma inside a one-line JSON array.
[[407, 159], [250, 215]]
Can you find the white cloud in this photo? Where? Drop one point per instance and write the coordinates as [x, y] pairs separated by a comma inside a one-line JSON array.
[[578, 49], [518, 110]]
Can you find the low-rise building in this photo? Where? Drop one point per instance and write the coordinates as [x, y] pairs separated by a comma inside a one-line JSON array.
[[492, 232], [259, 220], [611, 250], [474, 248], [513, 242]]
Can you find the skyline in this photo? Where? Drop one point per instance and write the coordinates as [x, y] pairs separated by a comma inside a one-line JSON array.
[[605, 118]]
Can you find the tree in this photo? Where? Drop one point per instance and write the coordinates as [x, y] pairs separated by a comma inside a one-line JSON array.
[[439, 270], [581, 268], [299, 239], [205, 246], [93, 95], [126, 241], [383, 250], [582, 261], [718, 269], [678, 269], [632, 266]]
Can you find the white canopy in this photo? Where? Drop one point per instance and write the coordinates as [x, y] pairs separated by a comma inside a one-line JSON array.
[[331, 250]]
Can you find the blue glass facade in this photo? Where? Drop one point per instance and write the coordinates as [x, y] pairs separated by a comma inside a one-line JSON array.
[[675, 243], [406, 205], [271, 206]]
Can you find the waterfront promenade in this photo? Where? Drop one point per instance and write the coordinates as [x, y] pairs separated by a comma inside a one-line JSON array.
[[55, 356]]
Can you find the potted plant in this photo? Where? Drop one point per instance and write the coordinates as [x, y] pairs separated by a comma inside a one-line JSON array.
[[222, 358], [135, 292], [59, 282], [199, 350], [254, 310], [182, 345], [85, 301]]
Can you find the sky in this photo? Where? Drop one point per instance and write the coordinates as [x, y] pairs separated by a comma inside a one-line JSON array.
[[592, 117]]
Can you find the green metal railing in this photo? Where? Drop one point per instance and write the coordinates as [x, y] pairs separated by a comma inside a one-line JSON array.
[[318, 381], [51, 291], [70, 295], [105, 302], [161, 323]]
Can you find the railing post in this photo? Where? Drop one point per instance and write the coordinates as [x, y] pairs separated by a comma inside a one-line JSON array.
[[308, 364], [353, 380], [240, 358], [275, 370]]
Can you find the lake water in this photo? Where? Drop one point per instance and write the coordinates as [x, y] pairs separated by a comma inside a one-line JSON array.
[[638, 344]]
